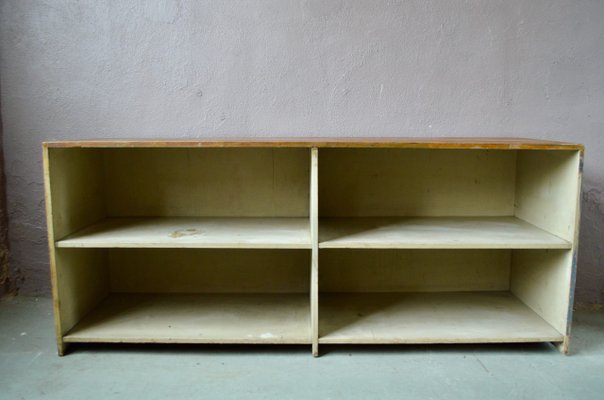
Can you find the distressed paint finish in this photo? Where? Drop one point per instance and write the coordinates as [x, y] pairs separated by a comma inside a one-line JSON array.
[[193, 69]]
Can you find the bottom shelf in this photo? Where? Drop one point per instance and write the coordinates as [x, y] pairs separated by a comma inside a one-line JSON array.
[[456, 317], [197, 318]]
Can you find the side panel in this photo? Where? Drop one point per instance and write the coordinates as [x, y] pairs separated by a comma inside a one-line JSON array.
[[542, 280], [547, 184], [75, 188], [73, 194], [82, 282]]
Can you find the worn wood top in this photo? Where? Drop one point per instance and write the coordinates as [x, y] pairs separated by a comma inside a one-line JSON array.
[[500, 143]]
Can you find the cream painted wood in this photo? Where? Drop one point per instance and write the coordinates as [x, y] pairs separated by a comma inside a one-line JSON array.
[[194, 232], [61, 346], [345, 270], [467, 317], [82, 282], [209, 271], [416, 182], [419, 241], [208, 182], [436, 233], [546, 190], [76, 189], [541, 279], [314, 229], [548, 195], [73, 200], [196, 318]]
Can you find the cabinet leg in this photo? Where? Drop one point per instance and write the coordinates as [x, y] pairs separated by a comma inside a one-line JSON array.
[[564, 346], [315, 350], [61, 348]]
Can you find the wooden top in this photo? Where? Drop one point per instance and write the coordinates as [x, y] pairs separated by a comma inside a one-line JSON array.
[[499, 143]]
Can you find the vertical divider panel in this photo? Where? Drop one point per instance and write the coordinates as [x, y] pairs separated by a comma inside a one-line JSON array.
[[314, 236], [73, 195]]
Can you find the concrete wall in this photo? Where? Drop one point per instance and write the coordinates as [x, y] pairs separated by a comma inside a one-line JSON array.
[[6, 285], [73, 69]]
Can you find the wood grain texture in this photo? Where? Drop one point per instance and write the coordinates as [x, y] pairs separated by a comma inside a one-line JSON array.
[[436, 233], [471, 317], [394, 142], [178, 182], [416, 182], [209, 271], [189, 318], [348, 270], [189, 232]]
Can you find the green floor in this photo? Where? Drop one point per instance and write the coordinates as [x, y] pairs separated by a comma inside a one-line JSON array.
[[30, 368]]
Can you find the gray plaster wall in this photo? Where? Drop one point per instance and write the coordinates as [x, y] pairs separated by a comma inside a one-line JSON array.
[[174, 69]]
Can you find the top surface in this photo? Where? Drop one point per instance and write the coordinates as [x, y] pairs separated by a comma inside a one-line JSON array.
[[385, 142]]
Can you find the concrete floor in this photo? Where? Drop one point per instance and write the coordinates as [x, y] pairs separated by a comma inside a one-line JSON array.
[[30, 368]]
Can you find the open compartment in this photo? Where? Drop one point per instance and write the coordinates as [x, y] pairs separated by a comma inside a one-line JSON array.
[[444, 198], [184, 296], [180, 197], [180, 245], [443, 296]]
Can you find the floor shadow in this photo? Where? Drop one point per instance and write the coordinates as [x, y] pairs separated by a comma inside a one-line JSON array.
[[587, 334], [199, 349], [418, 349]]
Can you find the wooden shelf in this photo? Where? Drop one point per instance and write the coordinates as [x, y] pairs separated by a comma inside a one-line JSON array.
[[197, 318], [182, 232], [456, 317], [435, 233], [491, 225]]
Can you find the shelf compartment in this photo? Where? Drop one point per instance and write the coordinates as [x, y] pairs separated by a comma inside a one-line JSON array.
[[196, 318], [445, 317], [193, 232], [435, 233]]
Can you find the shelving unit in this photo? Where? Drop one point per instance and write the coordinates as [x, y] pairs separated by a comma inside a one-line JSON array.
[[314, 241]]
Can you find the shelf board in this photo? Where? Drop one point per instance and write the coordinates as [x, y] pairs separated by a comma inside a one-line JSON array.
[[435, 233], [454, 317], [197, 318], [190, 232]]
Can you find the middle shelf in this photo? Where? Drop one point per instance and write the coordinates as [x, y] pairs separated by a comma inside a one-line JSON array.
[[294, 233], [194, 232], [435, 233]]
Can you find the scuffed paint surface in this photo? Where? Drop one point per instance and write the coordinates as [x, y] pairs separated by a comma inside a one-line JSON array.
[[72, 70]]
